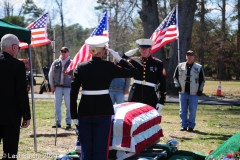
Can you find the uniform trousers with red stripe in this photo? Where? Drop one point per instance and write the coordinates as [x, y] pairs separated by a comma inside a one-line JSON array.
[[95, 134]]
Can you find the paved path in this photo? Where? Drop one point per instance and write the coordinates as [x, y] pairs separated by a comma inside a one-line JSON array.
[[170, 99]]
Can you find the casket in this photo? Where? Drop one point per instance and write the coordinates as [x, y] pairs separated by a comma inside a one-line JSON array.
[[135, 126]]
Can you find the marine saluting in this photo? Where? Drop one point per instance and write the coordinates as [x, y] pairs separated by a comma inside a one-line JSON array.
[[95, 108], [149, 86]]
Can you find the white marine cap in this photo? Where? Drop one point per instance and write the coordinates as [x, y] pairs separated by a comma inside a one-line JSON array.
[[97, 41], [145, 43]]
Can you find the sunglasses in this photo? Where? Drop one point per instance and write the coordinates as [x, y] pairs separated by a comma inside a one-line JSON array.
[[17, 45], [190, 54], [63, 51]]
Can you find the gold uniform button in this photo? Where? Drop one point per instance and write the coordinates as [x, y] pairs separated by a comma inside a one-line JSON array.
[[143, 76], [144, 69]]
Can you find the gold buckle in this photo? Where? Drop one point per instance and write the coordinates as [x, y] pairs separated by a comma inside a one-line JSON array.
[[143, 82]]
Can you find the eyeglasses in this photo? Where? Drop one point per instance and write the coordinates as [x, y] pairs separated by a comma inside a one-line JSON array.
[[63, 51], [190, 54], [17, 45]]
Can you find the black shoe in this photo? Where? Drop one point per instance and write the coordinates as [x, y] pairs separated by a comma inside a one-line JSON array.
[[183, 129], [190, 129], [54, 126], [68, 126]]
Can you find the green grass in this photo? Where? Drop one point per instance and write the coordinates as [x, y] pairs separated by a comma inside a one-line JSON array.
[[230, 89], [210, 131]]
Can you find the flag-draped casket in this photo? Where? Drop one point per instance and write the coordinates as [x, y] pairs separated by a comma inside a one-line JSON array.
[[135, 126]]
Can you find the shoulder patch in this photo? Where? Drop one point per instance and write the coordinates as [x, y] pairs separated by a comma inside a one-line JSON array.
[[156, 59]]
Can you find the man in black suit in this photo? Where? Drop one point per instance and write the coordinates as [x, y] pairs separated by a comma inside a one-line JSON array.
[[14, 101]]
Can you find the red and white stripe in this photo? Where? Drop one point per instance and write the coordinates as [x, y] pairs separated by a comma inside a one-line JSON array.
[[164, 37], [39, 38], [82, 55], [135, 126]]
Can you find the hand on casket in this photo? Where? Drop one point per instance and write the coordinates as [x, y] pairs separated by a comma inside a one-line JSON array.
[[159, 107]]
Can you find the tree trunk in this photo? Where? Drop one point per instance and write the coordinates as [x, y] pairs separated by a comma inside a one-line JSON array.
[[186, 11], [60, 7], [149, 17], [238, 41], [8, 8], [201, 33], [221, 66], [150, 22]]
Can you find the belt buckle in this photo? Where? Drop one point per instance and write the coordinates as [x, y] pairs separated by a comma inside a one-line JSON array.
[[143, 82]]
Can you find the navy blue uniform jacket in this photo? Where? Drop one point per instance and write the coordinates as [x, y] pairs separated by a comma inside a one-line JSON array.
[[93, 75]]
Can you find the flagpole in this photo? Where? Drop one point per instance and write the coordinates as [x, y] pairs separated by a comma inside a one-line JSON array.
[[33, 102], [178, 52], [178, 34], [108, 55], [54, 51]]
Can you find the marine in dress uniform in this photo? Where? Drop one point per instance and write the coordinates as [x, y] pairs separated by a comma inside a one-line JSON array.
[[95, 108], [189, 79], [151, 82]]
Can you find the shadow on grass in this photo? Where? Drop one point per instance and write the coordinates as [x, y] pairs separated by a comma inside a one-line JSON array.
[[181, 138], [53, 135], [212, 136], [207, 136]]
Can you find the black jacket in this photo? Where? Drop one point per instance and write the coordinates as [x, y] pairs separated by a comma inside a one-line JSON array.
[[96, 74], [150, 70], [14, 101]]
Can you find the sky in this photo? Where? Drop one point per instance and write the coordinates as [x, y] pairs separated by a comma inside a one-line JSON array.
[[76, 11], [82, 11]]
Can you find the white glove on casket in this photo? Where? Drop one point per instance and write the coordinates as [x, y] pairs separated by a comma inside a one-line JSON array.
[[159, 107], [75, 121], [131, 52], [115, 55]]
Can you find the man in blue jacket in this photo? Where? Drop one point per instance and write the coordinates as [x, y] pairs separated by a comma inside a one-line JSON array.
[[118, 88]]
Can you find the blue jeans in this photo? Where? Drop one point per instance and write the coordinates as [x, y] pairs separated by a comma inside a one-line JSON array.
[[59, 93], [117, 97], [95, 134], [188, 103]]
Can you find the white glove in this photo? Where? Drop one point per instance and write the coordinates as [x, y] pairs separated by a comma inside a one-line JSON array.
[[75, 121], [115, 55], [131, 52], [159, 107]]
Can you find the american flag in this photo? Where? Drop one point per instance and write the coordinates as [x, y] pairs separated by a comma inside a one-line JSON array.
[[84, 54], [135, 126], [38, 32], [166, 32]]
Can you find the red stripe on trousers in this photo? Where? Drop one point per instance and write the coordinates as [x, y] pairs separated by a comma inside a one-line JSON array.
[[109, 136]]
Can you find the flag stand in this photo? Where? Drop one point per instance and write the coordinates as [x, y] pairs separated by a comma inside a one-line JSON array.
[[33, 102]]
